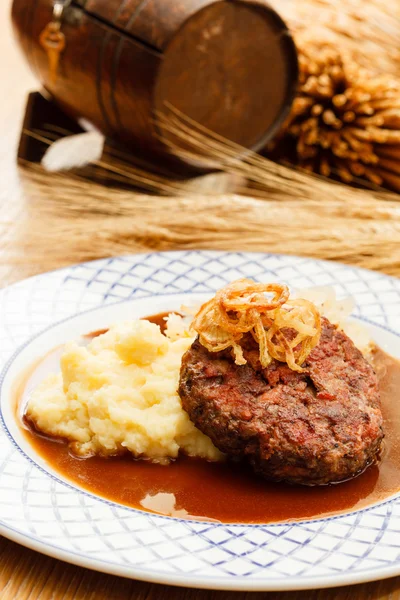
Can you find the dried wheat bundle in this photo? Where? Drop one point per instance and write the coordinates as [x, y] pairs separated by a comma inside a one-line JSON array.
[[345, 121], [80, 220]]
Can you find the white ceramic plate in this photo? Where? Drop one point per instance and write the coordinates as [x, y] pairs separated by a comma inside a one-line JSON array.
[[42, 511]]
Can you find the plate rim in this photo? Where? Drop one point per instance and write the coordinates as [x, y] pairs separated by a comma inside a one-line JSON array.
[[237, 583]]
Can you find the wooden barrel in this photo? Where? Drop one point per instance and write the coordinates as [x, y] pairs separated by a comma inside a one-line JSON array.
[[230, 65]]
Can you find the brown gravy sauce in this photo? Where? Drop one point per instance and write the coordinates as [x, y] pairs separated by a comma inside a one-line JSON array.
[[226, 492]]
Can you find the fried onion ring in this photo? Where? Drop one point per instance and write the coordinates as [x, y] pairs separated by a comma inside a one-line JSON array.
[[285, 330]]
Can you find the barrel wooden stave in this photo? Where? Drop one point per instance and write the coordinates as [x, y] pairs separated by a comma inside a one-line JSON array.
[[152, 21]]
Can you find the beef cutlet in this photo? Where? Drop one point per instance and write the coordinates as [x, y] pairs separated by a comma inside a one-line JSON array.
[[323, 425]]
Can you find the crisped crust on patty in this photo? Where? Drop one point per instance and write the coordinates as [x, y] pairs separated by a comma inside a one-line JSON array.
[[317, 427]]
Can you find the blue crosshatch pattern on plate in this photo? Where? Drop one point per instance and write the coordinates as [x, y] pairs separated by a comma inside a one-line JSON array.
[[42, 509]]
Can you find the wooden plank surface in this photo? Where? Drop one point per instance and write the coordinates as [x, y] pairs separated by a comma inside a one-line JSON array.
[[24, 574]]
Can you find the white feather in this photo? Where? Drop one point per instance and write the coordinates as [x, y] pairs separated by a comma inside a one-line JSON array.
[[74, 151]]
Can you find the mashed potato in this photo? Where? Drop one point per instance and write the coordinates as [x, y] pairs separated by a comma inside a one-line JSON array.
[[120, 393]]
